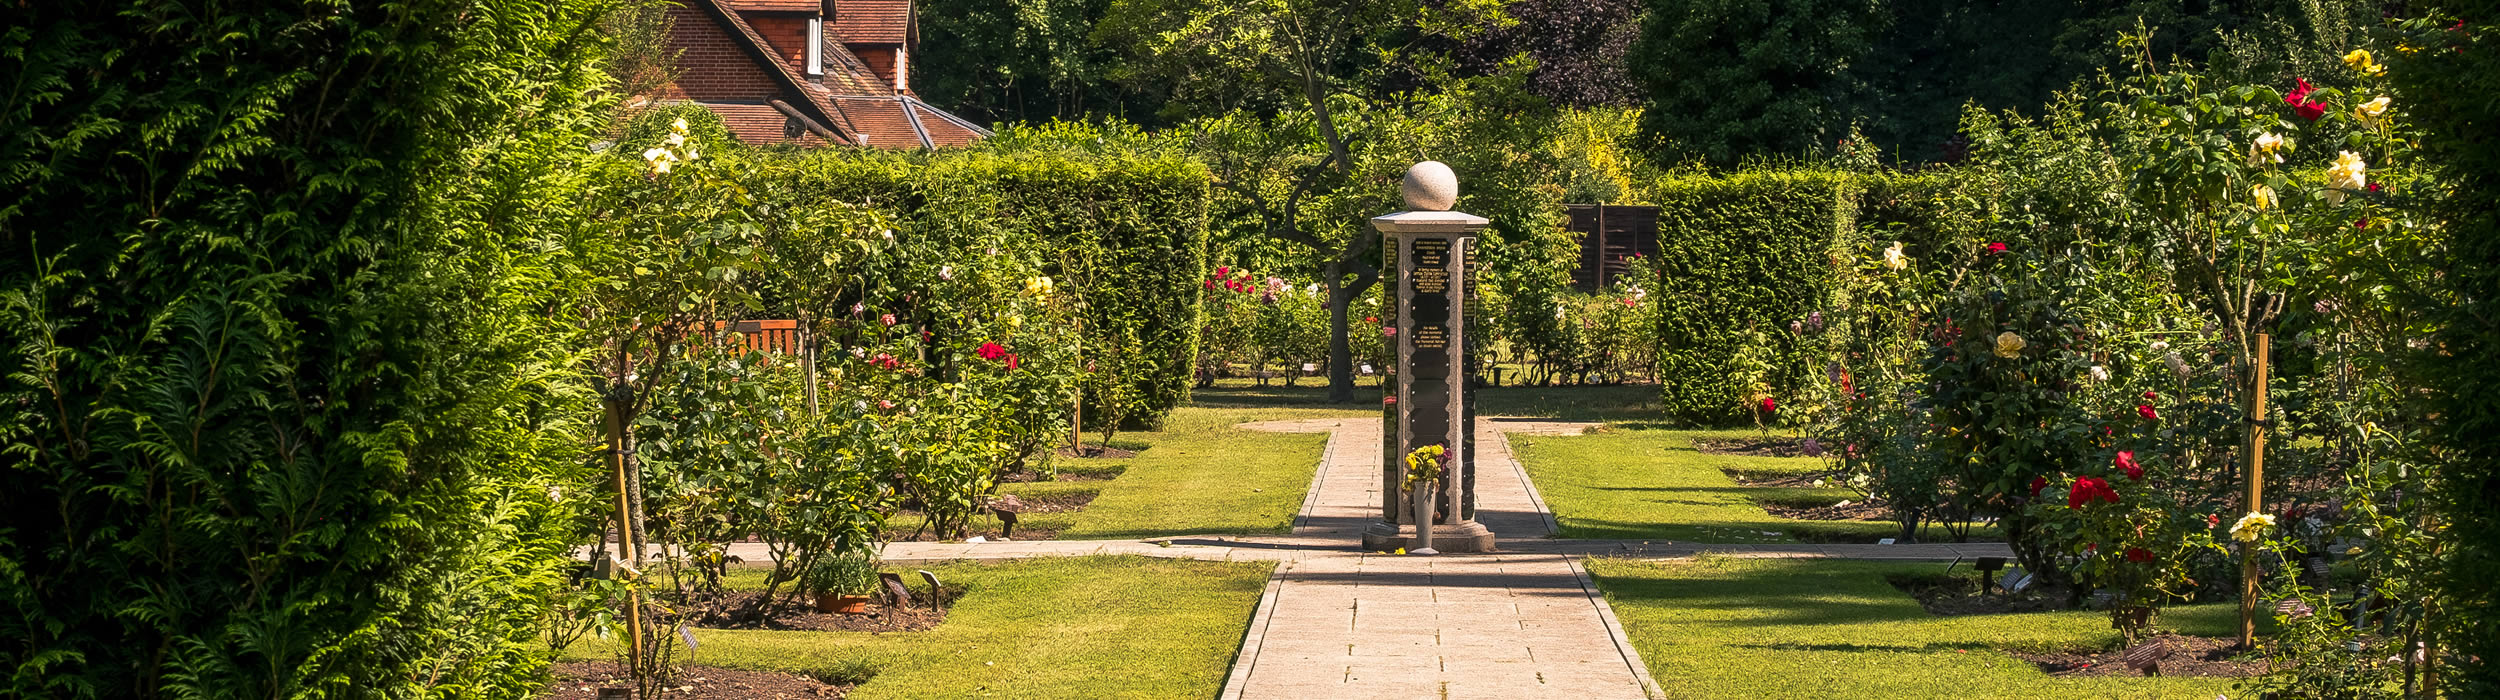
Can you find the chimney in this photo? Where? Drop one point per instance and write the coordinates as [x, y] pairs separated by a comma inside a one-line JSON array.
[[816, 48]]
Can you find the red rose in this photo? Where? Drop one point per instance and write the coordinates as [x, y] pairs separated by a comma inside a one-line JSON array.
[[2302, 105], [1371, 319], [1011, 362], [2126, 463], [1769, 406], [2148, 396], [1223, 270], [2212, 520], [1388, 401], [2138, 555], [2374, 187], [2089, 489], [2038, 483], [1209, 284], [2147, 412], [991, 351], [1995, 248]]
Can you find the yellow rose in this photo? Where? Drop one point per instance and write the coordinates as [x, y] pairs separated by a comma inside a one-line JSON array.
[[2252, 527], [2369, 112], [2267, 149], [2009, 345], [2361, 60], [1038, 286], [2349, 174], [2263, 196]]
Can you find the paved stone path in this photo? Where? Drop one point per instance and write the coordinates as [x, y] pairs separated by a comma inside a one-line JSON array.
[[1362, 625]]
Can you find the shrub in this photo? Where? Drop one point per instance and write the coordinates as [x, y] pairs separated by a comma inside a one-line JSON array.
[[286, 420], [1124, 231]]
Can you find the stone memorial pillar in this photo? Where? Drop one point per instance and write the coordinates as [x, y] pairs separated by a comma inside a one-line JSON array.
[[1426, 271]]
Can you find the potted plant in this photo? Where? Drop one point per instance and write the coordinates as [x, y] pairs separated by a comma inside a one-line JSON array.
[[840, 582]]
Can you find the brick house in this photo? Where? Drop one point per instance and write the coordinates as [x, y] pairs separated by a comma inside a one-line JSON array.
[[808, 72]]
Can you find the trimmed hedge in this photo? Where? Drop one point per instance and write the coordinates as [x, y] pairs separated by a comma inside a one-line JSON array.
[[1124, 229], [285, 419], [1743, 255], [2450, 84]]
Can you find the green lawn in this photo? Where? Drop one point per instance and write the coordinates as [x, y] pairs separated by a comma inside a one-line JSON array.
[[1199, 475], [1639, 483], [1735, 628], [1093, 627]]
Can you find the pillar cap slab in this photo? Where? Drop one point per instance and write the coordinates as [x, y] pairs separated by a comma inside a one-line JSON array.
[[1429, 222]]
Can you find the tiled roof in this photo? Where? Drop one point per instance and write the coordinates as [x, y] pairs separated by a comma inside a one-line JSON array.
[[906, 122], [872, 21], [762, 52], [808, 6], [845, 74], [754, 83], [946, 129], [759, 124]]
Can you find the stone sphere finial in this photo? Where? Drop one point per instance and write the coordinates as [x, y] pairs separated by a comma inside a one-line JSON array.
[[1430, 186]]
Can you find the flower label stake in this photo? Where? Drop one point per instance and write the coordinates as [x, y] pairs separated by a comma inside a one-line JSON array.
[[1430, 419]]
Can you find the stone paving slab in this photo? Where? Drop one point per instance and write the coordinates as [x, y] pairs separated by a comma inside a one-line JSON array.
[[1339, 623]]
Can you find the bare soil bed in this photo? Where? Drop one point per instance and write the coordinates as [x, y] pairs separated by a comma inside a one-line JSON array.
[[581, 680], [2191, 657], [1096, 452], [1958, 594], [1856, 510], [735, 610], [1777, 447], [987, 525]]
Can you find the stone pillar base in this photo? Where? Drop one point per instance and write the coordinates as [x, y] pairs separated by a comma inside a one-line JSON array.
[[1469, 536]]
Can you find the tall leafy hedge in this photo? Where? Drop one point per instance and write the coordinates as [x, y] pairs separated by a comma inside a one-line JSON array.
[[1126, 229], [281, 418], [1743, 255], [2451, 82]]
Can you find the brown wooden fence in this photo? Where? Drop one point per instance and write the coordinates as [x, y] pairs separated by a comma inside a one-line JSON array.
[[770, 335], [1609, 233]]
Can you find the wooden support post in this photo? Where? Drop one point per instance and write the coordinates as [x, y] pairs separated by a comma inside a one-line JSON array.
[[2256, 491], [625, 528], [1076, 404]]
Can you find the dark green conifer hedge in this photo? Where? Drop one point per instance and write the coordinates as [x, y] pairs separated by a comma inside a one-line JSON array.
[[283, 416]]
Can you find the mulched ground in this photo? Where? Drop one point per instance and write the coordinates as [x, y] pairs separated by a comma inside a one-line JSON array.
[[1097, 452], [729, 610], [1856, 510], [1780, 447], [1028, 476], [581, 680], [1958, 594], [2192, 657], [987, 526], [1785, 480]]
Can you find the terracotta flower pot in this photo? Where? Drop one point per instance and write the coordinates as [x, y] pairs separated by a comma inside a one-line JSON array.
[[840, 603]]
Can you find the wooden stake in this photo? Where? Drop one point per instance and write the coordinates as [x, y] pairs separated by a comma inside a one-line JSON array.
[[625, 529], [1076, 406], [2256, 492]]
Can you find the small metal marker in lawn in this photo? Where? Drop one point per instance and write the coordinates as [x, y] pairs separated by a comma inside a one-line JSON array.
[[897, 594], [937, 594], [1988, 568], [2146, 658], [1429, 248]]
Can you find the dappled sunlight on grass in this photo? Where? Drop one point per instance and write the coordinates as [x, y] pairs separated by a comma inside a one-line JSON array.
[[1722, 627], [1652, 484], [1093, 627]]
